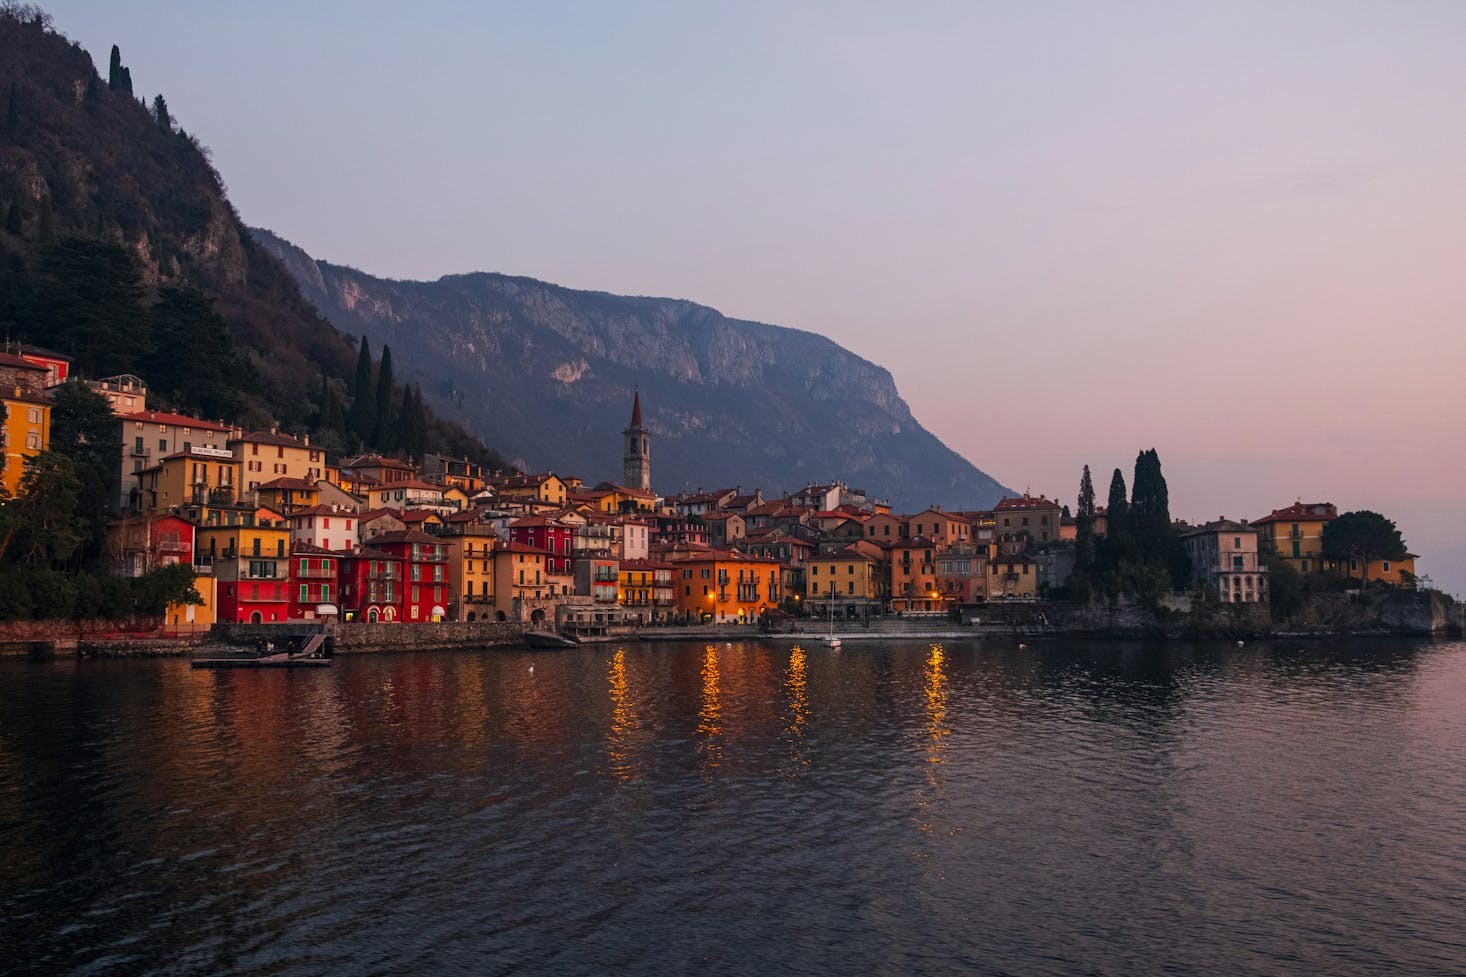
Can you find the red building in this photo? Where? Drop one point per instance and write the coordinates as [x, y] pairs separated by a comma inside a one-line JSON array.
[[311, 584], [551, 535], [371, 586], [424, 560]]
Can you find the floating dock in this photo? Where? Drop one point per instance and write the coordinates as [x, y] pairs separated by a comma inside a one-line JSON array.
[[268, 661]]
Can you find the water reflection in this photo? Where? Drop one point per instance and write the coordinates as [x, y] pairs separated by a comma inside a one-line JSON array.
[[623, 723], [710, 714], [935, 689], [796, 716]]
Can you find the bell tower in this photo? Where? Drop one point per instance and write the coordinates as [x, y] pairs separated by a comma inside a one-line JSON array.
[[636, 460]]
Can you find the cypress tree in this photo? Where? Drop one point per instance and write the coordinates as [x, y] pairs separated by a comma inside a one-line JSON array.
[[1117, 513], [126, 80], [160, 112], [1084, 521], [384, 433], [363, 407], [114, 70], [419, 422]]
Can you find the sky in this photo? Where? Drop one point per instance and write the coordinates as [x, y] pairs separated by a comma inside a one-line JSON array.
[[1234, 232]]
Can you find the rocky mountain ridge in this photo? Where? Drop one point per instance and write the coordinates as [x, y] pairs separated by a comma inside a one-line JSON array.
[[546, 374]]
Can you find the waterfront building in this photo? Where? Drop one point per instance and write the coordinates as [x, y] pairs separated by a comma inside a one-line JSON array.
[[962, 573], [470, 545], [1225, 563], [1295, 533], [27, 430], [524, 590], [723, 586], [311, 584], [1026, 518], [1012, 577], [913, 571], [848, 583], [424, 561], [646, 590], [371, 585], [248, 549]]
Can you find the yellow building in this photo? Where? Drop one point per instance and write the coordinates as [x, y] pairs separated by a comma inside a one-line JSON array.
[[249, 550], [264, 456], [914, 588], [1013, 576], [197, 478], [470, 549], [548, 488], [27, 434], [849, 581], [195, 618], [724, 586], [1296, 533]]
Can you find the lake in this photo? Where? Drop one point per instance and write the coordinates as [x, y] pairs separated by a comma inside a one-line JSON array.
[[889, 808]]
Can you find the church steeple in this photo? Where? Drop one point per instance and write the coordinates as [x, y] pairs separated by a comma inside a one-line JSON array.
[[636, 460]]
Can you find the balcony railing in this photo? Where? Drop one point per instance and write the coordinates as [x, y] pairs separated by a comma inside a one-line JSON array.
[[315, 573]]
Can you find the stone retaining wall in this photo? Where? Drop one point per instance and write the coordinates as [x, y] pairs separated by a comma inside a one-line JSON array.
[[360, 636]]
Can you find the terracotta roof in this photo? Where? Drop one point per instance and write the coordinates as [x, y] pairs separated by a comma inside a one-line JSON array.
[[287, 483], [300, 547], [367, 515], [645, 564], [174, 420], [411, 516], [1301, 512], [323, 510], [367, 553], [404, 536], [270, 437], [1027, 502], [848, 553], [513, 547], [19, 362]]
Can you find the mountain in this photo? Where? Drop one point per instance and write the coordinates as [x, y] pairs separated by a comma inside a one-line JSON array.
[[546, 374], [119, 247]]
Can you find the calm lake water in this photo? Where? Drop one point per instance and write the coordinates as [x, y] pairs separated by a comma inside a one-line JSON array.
[[892, 808]]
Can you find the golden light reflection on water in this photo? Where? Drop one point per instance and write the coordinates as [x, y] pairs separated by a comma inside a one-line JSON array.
[[936, 706], [710, 714], [619, 737], [935, 687], [797, 715]]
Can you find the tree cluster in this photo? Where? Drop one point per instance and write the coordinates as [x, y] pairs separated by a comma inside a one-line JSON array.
[[1141, 553]]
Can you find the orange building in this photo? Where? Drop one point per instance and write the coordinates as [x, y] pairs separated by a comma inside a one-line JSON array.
[[724, 586]]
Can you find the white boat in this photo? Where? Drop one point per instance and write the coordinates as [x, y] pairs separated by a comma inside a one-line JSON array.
[[831, 640]]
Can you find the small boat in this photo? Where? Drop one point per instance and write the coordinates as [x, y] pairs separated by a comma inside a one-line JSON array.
[[830, 641]]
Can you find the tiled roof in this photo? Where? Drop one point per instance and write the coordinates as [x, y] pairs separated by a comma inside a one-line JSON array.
[[404, 536], [172, 420], [1301, 512], [287, 483], [270, 437], [1026, 502]]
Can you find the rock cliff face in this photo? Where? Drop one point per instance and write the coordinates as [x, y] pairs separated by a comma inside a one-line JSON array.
[[546, 374]]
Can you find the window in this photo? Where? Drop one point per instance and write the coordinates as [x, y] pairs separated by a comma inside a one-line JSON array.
[[1236, 542], [1385, 566], [33, 441], [304, 593], [33, 415]]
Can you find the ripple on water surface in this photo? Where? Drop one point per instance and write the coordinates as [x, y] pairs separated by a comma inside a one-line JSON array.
[[754, 809]]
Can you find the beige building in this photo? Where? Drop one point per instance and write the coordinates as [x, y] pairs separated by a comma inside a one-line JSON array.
[[1224, 561]]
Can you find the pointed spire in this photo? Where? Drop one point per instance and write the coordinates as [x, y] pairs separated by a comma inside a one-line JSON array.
[[636, 409]]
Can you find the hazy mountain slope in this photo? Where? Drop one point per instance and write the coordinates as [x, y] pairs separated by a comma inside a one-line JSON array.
[[546, 374]]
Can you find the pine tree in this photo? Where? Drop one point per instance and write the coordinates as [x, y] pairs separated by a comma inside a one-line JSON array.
[[363, 406], [160, 112], [384, 430], [114, 70], [1084, 521]]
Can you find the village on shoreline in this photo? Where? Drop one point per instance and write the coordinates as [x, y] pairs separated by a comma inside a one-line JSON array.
[[278, 534]]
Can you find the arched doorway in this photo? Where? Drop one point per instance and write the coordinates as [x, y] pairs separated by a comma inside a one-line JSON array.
[[372, 616], [537, 616], [472, 617], [256, 618], [500, 616]]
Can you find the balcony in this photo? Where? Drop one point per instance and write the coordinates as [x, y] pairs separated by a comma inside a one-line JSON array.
[[136, 452], [315, 573]]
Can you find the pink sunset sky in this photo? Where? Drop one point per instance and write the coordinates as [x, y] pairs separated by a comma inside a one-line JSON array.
[[1233, 232]]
